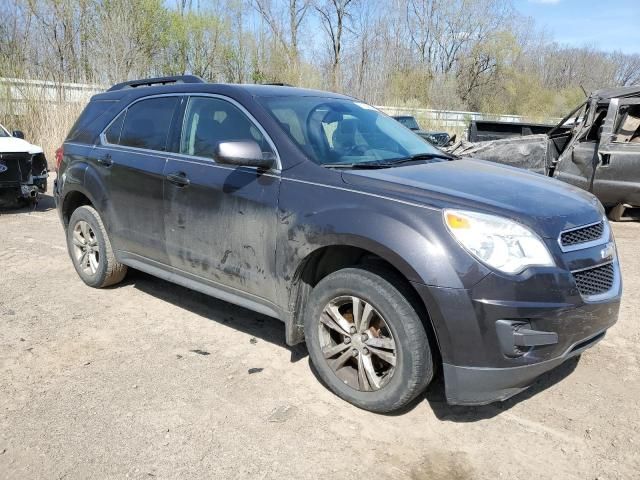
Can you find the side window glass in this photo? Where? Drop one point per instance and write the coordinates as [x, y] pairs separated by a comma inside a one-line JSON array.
[[147, 123], [210, 121], [112, 135], [628, 125]]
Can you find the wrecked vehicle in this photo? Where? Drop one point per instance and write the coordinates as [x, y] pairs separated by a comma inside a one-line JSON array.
[[439, 139], [596, 147], [23, 169], [391, 261], [485, 130]]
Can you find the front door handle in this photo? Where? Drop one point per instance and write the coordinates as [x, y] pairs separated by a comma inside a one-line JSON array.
[[105, 160], [179, 178]]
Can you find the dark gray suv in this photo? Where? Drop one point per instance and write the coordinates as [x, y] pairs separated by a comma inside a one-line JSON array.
[[390, 259]]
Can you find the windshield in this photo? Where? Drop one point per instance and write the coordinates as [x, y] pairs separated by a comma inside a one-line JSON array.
[[409, 122], [3, 132], [336, 131]]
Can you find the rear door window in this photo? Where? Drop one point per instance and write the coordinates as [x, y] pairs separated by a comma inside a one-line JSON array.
[[147, 123]]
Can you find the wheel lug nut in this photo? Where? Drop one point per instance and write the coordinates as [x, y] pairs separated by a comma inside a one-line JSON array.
[[365, 351], [353, 329], [347, 340], [354, 352], [364, 337]]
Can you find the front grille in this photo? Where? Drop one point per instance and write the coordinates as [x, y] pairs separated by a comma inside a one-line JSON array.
[[594, 281], [582, 235], [17, 168]]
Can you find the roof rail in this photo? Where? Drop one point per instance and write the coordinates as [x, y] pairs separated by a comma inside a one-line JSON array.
[[278, 84], [148, 82]]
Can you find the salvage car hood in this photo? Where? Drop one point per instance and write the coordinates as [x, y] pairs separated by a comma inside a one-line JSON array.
[[17, 145], [547, 205]]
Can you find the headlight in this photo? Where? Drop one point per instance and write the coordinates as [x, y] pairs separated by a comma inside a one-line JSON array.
[[499, 243]]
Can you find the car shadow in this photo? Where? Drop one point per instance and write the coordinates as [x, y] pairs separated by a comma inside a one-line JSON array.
[[272, 330], [256, 325], [45, 204]]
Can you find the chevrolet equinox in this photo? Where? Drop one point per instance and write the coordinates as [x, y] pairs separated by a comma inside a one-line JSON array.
[[389, 258]]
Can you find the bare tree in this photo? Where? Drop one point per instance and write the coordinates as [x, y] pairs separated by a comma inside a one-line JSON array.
[[284, 19], [627, 68], [334, 17]]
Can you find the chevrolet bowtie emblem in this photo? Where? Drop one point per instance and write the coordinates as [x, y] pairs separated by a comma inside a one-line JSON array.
[[608, 251]]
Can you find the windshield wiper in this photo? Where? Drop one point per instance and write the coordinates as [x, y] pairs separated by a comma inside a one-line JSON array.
[[421, 156], [391, 163], [362, 165]]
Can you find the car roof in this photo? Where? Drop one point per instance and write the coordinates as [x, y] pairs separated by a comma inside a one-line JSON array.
[[228, 89], [619, 92]]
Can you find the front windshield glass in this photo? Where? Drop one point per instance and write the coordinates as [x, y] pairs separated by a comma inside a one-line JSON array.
[[343, 132], [3, 132]]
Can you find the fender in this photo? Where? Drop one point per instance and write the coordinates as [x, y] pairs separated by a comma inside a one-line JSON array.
[[412, 239], [401, 237], [82, 177]]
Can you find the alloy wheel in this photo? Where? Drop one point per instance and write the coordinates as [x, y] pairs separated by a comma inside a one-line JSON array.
[[85, 248], [357, 343]]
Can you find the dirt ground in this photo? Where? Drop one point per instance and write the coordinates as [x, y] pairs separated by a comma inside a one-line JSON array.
[[150, 380]]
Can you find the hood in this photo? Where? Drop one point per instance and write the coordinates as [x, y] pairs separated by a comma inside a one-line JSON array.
[[546, 205], [17, 145]]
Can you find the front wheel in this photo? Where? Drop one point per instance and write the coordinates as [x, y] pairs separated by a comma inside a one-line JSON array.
[[366, 340]]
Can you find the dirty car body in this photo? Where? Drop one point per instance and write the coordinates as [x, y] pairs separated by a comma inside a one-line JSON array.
[[596, 147], [23, 169], [343, 188]]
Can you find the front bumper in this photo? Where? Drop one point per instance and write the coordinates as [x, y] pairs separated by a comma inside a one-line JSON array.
[[482, 385], [480, 363]]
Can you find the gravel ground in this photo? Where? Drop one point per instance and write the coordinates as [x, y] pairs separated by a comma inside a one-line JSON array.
[[150, 380]]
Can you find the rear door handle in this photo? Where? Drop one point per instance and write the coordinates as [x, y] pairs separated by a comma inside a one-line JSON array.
[[105, 160], [179, 178]]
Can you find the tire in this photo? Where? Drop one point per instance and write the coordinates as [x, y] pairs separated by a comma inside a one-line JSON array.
[[616, 214], [102, 269], [400, 325]]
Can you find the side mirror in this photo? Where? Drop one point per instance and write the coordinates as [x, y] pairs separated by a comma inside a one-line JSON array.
[[17, 134], [247, 154]]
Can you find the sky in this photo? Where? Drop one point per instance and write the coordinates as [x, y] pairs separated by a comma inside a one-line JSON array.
[[604, 24]]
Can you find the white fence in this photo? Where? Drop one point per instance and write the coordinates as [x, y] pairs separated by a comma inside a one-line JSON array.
[[14, 92]]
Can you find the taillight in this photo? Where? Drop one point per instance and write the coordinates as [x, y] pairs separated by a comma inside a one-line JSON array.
[[59, 155]]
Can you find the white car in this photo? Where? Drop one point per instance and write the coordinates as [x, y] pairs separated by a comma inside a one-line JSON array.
[[23, 169]]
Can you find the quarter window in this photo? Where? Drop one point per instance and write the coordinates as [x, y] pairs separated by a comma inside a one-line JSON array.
[[147, 123], [210, 121], [112, 135]]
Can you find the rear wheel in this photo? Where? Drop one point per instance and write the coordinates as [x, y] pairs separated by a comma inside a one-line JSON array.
[[366, 340], [90, 249]]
